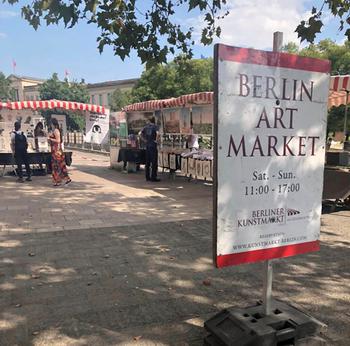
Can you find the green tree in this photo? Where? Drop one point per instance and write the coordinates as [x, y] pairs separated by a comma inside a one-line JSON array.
[[177, 78], [120, 99], [6, 92], [53, 88], [339, 55], [308, 29], [291, 47], [151, 29], [336, 119]]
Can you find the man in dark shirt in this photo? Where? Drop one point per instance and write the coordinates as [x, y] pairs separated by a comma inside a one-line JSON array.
[[150, 135], [19, 147]]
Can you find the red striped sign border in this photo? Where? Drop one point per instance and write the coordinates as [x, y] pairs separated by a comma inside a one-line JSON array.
[[275, 59], [266, 254]]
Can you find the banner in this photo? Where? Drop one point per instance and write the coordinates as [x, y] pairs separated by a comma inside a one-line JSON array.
[[270, 128]]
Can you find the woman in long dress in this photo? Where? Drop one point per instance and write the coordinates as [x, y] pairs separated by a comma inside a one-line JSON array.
[[59, 169]]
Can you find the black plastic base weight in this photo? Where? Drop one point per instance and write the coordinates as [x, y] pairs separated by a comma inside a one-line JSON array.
[[286, 325]]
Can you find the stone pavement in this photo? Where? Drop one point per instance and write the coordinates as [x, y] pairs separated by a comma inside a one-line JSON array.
[[98, 197], [144, 277]]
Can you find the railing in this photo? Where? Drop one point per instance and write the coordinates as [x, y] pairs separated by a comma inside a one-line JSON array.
[[76, 140]]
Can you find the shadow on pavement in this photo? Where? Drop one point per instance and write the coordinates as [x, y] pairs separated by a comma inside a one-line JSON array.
[[148, 284]]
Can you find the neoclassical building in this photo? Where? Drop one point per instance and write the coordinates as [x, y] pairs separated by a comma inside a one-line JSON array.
[[27, 89], [100, 93]]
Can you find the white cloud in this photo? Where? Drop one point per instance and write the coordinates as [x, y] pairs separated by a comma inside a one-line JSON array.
[[2, 35], [8, 14], [252, 23]]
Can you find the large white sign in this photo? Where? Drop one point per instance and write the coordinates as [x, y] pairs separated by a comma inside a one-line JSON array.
[[270, 148]]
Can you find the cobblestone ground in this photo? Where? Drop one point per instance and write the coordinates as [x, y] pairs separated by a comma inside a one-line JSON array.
[[141, 280]]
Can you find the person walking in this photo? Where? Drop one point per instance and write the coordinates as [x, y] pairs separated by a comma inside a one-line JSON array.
[[59, 169], [150, 135], [19, 146]]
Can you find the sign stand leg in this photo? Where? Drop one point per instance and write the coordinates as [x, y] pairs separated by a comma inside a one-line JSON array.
[[267, 290]]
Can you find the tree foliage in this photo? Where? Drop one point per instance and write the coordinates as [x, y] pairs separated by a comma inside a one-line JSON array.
[[120, 99], [151, 29], [6, 92], [177, 78], [53, 88], [339, 55], [308, 29], [336, 120]]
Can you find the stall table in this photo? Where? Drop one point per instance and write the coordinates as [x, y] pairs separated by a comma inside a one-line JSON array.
[[132, 156], [35, 158], [336, 183]]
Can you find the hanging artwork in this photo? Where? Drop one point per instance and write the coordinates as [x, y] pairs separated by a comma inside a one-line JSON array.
[[192, 166], [172, 161], [160, 159], [165, 160], [207, 169], [184, 165], [199, 169]]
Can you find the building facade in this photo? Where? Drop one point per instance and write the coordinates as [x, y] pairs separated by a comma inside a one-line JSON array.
[[27, 89], [100, 93]]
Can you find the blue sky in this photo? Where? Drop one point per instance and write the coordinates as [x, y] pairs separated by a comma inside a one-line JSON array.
[[251, 23]]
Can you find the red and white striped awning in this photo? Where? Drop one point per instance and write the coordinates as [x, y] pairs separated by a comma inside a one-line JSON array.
[[51, 104], [340, 83], [337, 90], [337, 97], [190, 99]]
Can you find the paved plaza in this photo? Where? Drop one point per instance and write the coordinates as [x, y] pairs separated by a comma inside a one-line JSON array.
[[113, 260]]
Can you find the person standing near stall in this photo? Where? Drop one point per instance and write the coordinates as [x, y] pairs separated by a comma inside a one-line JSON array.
[[59, 169], [19, 146], [150, 135], [38, 132]]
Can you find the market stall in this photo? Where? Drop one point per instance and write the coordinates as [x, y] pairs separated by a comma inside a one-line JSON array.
[[29, 114], [185, 125], [187, 120], [126, 150]]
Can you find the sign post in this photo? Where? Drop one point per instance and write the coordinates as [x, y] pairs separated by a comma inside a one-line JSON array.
[[267, 288], [270, 134]]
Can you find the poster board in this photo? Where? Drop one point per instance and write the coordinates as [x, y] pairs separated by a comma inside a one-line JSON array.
[[171, 120], [28, 118], [117, 127], [202, 118], [270, 133], [136, 121], [97, 128]]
